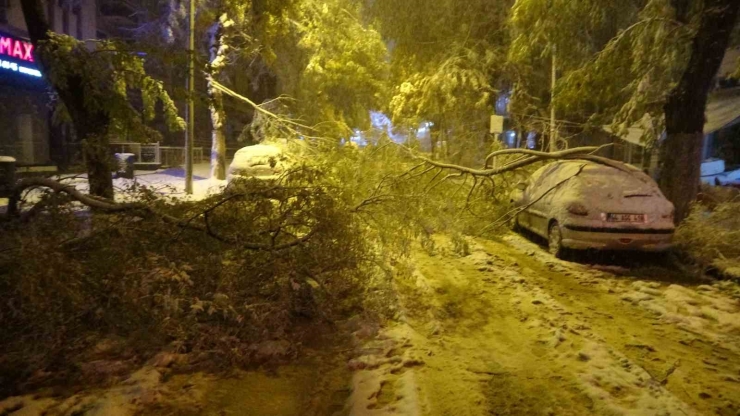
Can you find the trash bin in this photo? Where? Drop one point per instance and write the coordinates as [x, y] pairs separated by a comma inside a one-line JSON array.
[[7, 176], [125, 163]]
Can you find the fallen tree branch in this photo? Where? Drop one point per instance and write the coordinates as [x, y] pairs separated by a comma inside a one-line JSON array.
[[256, 106], [576, 150], [135, 208], [100, 203], [531, 157], [514, 212], [488, 172], [370, 201]]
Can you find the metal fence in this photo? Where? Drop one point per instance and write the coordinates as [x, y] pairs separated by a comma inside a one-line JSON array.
[[175, 156], [145, 153], [153, 153]]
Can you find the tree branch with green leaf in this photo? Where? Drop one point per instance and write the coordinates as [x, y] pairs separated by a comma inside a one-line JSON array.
[[95, 84]]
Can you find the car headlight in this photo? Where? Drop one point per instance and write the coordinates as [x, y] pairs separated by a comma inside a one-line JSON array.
[[577, 208]]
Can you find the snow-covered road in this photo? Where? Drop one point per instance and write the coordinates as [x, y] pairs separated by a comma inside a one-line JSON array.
[[511, 330], [505, 330]]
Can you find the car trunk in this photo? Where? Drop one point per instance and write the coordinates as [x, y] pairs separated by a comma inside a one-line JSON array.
[[620, 198]]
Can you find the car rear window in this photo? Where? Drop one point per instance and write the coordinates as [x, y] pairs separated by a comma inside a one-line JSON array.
[[636, 183]]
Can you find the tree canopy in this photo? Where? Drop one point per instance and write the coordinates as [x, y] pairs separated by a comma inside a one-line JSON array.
[[447, 66], [324, 65], [574, 32], [651, 62], [339, 66], [112, 71]]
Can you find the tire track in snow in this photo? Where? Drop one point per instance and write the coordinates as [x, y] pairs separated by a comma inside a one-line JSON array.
[[684, 337], [503, 332]]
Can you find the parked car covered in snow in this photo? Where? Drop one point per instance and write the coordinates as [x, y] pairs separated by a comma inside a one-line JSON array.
[[585, 205], [262, 161]]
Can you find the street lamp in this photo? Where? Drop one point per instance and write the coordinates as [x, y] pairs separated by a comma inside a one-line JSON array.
[[190, 109]]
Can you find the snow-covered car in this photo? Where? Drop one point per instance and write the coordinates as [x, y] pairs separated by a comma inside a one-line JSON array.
[[262, 161], [585, 205]]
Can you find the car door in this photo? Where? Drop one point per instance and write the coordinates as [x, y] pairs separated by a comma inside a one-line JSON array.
[[524, 217], [540, 200]]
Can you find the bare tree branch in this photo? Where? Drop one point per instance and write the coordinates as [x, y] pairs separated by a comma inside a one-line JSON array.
[[138, 209], [490, 157], [100, 203], [513, 213], [532, 156]]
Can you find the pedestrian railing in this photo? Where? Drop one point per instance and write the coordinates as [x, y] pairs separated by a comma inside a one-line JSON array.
[[153, 153], [175, 155]]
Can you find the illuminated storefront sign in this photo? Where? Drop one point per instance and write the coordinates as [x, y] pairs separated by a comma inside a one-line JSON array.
[[15, 48], [16, 55], [15, 67]]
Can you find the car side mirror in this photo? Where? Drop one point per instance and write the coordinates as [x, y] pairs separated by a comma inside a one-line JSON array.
[[521, 186]]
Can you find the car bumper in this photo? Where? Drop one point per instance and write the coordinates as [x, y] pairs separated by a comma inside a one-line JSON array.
[[582, 238]]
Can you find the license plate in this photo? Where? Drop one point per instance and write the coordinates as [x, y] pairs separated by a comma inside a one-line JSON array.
[[625, 217]]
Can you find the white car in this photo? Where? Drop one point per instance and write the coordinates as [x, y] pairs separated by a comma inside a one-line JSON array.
[[586, 205], [261, 161]]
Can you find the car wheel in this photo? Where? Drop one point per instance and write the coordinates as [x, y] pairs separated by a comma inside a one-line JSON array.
[[555, 241]]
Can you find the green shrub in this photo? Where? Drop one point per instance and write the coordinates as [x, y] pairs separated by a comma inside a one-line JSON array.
[[709, 236], [711, 196]]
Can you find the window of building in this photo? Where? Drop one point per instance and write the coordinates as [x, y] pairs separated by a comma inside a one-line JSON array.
[[51, 14], [77, 11], [65, 16], [65, 21], [4, 6]]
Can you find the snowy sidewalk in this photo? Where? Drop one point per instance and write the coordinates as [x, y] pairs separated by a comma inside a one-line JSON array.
[[170, 181]]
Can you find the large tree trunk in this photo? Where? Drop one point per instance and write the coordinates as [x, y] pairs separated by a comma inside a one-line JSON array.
[[217, 49], [684, 111], [97, 162], [91, 124]]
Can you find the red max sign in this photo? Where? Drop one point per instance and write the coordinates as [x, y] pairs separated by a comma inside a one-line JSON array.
[[16, 48]]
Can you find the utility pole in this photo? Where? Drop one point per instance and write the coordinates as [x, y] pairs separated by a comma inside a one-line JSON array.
[[553, 130], [190, 110]]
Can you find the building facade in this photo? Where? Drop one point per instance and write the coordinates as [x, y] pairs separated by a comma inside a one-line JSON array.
[[26, 130]]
